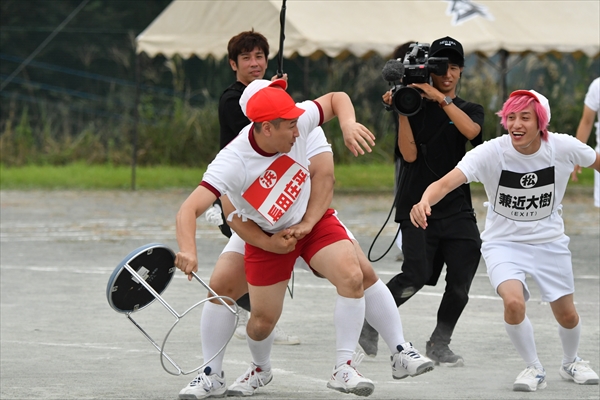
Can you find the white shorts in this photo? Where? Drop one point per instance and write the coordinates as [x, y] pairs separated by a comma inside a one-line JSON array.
[[549, 264], [237, 245]]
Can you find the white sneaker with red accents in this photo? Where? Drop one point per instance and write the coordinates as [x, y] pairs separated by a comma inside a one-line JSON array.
[[248, 384], [205, 385], [347, 379]]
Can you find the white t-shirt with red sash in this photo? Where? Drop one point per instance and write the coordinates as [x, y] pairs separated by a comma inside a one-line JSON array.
[[525, 192], [270, 189]]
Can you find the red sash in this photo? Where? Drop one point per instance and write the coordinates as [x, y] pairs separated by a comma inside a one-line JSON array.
[[276, 189]]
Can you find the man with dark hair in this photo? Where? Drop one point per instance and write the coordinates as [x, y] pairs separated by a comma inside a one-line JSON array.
[[248, 54], [431, 143]]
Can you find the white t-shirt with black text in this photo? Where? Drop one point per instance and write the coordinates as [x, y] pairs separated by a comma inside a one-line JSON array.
[[514, 222]]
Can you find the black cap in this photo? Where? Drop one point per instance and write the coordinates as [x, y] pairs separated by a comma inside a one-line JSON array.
[[448, 47]]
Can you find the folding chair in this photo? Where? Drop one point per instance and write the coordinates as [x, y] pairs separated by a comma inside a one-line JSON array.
[[140, 279]]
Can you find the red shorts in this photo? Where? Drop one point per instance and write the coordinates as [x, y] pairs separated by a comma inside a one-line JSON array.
[[264, 268]]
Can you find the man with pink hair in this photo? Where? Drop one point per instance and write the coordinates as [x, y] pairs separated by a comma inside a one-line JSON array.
[[525, 175]]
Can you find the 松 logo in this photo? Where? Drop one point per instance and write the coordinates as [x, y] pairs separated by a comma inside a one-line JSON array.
[[268, 179], [529, 180]]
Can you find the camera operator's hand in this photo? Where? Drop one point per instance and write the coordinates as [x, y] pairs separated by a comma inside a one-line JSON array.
[[387, 97], [429, 92]]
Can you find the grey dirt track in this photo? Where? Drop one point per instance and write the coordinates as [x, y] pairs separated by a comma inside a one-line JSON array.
[[60, 339]]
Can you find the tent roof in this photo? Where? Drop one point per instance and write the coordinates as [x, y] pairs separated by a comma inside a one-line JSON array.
[[337, 28]]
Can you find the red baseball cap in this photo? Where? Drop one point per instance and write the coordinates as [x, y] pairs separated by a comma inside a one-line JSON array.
[[271, 103]]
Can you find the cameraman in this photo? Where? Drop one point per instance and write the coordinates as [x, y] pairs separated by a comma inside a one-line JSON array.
[[431, 143]]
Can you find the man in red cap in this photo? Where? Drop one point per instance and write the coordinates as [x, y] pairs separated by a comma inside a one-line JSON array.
[[264, 173]]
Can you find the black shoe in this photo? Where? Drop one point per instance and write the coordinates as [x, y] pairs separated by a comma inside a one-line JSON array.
[[368, 340], [441, 354]]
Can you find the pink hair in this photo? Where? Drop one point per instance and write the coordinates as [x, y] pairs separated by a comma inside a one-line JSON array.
[[520, 102]]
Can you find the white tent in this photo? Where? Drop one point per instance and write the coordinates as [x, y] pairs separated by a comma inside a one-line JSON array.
[[337, 28]]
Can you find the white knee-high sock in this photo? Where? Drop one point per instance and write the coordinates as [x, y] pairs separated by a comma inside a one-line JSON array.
[[216, 325], [348, 318], [521, 336], [570, 342], [382, 314], [261, 351]]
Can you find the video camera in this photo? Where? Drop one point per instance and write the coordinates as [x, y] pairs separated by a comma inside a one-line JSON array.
[[415, 68]]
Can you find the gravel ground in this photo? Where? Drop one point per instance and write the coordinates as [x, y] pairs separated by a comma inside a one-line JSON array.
[[59, 338]]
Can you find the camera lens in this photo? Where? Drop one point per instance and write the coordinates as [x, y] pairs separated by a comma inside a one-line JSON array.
[[407, 101]]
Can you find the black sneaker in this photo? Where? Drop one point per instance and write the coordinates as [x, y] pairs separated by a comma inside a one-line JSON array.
[[368, 339], [442, 355]]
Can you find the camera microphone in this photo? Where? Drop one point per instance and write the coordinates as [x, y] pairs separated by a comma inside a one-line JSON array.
[[393, 71]]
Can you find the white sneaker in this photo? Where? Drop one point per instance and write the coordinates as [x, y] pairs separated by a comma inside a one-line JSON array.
[[249, 383], [240, 331], [205, 385], [580, 372], [530, 380], [283, 338], [347, 379], [408, 361]]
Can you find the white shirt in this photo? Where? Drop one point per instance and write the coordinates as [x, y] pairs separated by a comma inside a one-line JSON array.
[[484, 164], [240, 164]]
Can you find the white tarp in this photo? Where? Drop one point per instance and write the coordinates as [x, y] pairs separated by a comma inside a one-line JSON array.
[[337, 28]]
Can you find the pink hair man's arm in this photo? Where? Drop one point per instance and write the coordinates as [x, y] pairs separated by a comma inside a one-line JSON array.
[[433, 194]]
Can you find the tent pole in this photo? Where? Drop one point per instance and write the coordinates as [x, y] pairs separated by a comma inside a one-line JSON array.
[[305, 74], [503, 85], [503, 73], [136, 118]]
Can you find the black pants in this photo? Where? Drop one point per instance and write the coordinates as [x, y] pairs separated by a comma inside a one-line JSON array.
[[453, 241]]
